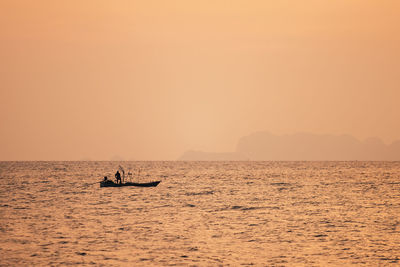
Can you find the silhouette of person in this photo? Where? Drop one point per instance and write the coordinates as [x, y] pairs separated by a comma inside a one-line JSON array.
[[118, 177]]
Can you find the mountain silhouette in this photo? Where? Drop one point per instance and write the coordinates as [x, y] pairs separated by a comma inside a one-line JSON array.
[[303, 146], [194, 155]]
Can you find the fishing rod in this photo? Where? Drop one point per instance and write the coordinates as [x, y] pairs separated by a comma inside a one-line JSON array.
[[123, 172]]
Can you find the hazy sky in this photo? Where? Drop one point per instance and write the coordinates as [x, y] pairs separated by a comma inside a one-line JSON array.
[[151, 79]]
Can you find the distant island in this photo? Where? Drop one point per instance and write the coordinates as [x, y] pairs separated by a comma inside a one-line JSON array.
[[302, 146]]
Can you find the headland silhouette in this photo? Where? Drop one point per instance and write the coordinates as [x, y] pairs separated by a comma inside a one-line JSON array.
[[303, 146]]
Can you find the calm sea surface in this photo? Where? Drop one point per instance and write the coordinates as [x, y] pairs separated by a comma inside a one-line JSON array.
[[201, 214]]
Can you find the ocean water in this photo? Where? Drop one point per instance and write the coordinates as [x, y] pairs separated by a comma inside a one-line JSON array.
[[201, 214]]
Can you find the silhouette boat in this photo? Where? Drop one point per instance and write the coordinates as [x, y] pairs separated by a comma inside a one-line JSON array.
[[109, 183]]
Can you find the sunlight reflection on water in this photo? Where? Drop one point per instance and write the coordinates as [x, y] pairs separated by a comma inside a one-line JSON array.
[[202, 213]]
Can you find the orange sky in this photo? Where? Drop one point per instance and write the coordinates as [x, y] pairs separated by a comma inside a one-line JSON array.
[[147, 80]]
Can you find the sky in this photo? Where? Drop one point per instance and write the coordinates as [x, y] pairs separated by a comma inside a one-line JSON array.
[[148, 80]]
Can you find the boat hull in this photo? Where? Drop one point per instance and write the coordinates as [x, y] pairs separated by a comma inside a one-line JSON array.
[[112, 184]]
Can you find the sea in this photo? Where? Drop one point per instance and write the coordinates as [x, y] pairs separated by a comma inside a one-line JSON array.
[[201, 214]]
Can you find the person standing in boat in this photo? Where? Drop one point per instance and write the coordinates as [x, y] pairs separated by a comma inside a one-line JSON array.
[[118, 177]]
